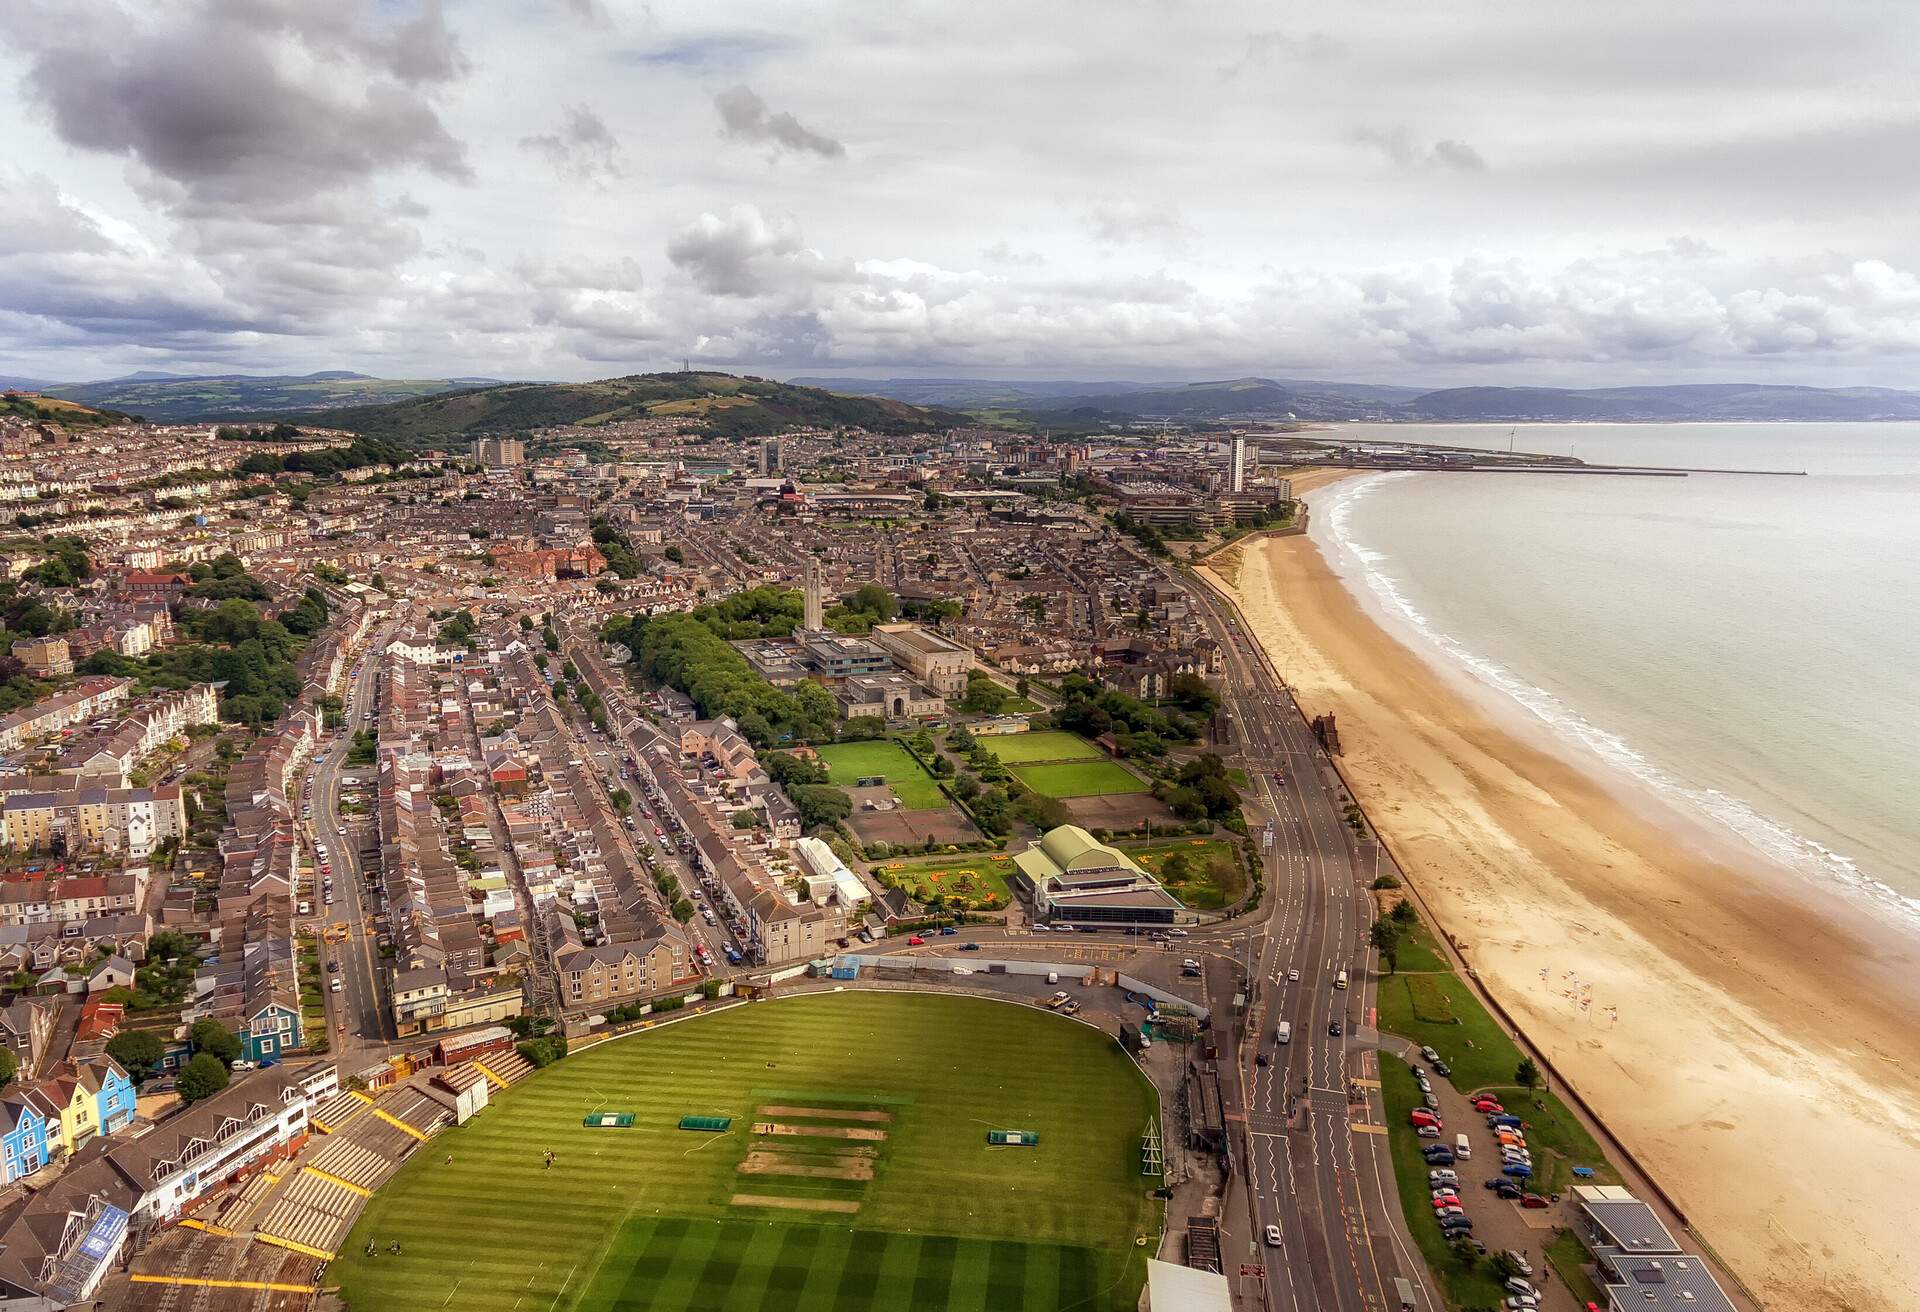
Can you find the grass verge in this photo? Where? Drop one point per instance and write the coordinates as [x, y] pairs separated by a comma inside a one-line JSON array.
[[1570, 1260]]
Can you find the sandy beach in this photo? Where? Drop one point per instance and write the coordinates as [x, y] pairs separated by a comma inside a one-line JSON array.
[[1764, 1065]]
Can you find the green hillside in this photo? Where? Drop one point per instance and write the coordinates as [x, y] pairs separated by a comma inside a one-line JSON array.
[[167, 400], [56, 411], [719, 402]]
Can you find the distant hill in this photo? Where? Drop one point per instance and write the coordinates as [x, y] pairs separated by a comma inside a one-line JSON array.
[[56, 411], [740, 406], [968, 393], [175, 398], [9, 383]]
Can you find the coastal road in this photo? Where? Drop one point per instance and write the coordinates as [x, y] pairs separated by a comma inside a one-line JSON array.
[[1302, 1163], [362, 1001]]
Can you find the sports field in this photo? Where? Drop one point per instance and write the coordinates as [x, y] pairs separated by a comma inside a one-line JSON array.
[[848, 763], [1080, 779], [855, 1175], [1047, 745]]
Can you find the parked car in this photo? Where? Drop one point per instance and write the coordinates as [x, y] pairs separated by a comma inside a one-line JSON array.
[[1450, 1212], [969, 947], [1447, 1193], [915, 941], [1430, 1054], [1421, 1116], [1518, 1170], [1519, 1285], [1442, 1068], [1444, 1157], [1437, 1178], [1534, 1201], [1519, 1260], [1504, 1188], [948, 931], [1457, 1225], [1429, 1132]]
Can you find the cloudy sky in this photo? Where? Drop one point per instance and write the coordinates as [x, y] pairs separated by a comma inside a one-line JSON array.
[[1550, 192]]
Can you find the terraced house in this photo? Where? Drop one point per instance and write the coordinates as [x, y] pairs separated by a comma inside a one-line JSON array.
[[26, 1141]]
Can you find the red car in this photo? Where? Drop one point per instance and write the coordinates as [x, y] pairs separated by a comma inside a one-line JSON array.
[[1487, 1105], [1533, 1200], [915, 941], [1451, 1200]]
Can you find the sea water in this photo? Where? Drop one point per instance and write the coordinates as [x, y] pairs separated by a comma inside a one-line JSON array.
[[1747, 647]]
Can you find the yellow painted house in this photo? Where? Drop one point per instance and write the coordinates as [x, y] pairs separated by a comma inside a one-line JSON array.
[[79, 1109]]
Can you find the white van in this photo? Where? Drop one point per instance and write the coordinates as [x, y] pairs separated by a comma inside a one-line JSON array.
[[1461, 1148], [1340, 980], [1285, 1033]]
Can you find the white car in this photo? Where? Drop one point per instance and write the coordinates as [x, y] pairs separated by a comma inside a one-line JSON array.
[[1273, 1236], [334, 987], [1293, 976]]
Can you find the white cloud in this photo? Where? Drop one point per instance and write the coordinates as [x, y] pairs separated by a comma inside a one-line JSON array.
[[393, 185]]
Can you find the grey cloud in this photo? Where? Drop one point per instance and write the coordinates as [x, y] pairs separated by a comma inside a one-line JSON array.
[[583, 148], [1120, 222], [744, 116], [1001, 252], [1400, 149], [1267, 49], [747, 254], [234, 110]]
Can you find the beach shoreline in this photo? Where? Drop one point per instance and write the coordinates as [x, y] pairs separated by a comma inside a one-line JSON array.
[[1759, 1068]]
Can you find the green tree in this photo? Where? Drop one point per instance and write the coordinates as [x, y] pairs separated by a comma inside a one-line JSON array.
[[1527, 1076], [139, 1051], [211, 1036], [1385, 937], [622, 800], [820, 805], [9, 1066], [202, 1077], [682, 910]]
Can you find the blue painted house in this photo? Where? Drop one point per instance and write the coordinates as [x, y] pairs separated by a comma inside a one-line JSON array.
[[271, 1031], [113, 1093], [25, 1144]]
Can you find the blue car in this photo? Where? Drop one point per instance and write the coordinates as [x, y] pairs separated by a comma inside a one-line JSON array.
[[1518, 1170], [948, 931]]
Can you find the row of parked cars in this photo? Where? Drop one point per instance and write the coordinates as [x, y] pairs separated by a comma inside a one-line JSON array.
[[1516, 1165]]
